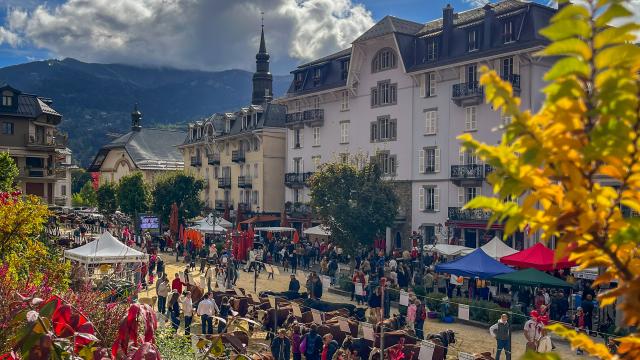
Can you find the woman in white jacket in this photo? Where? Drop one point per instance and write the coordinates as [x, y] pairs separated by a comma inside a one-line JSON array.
[[544, 344]]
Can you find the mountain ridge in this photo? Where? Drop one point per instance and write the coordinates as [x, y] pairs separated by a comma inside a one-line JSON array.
[[96, 99]]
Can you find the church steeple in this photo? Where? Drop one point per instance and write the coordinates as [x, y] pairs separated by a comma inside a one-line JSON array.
[[262, 78], [136, 119]]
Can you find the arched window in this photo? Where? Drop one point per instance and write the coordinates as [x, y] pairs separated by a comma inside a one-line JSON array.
[[383, 60]]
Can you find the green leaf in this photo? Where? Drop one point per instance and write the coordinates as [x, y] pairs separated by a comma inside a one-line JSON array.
[[615, 35], [572, 11], [566, 67], [567, 28], [624, 54], [48, 308], [532, 355], [614, 11], [568, 47]]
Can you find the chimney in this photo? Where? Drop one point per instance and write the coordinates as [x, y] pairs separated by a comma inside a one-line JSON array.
[[447, 28], [489, 20]]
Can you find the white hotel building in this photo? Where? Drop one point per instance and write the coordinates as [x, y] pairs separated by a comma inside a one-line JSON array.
[[403, 93]]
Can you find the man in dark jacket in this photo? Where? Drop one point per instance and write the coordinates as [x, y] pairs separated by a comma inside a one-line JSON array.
[[502, 332], [294, 284], [313, 344], [281, 346], [317, 287]]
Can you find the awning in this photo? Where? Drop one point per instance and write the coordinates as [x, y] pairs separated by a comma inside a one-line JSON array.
[[105, 250], [319, 230], [275, 229], [475, 265], [260, 219], [531, 277], [537, 257], [448, 250]]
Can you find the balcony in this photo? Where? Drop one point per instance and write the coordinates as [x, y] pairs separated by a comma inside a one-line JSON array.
[[457, 214], [224, 183], [213, 159], [32, 172], [237, 156], [297, 210], [628, 212], [514, 79], [244, 182], [313, 117], [57, 141], [196, 161], [297, 179], [469, 174], [222, 205], [244, 207], [467, 94]]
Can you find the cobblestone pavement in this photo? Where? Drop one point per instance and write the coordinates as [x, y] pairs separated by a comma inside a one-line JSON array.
[[470, 338]]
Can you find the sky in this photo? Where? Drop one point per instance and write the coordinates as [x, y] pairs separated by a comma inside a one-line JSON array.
[[197, 34]]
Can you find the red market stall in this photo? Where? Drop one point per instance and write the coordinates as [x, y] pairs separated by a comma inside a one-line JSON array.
[[537, 257]]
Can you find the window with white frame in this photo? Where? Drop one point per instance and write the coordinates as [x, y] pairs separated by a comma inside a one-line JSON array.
[[432, 49], [296, 195], [344, 132], [296, 105], [429, 160], [297, 165], [473, 40], [317, 76], [506, 120], [507, 31], [470, 118], [227, 125], [467, 157], [345, 100], [428, 84], [385, 93], [7, 100], [316, 135], [343, 157], [255, 171], [466, 194], [216, 172], [384, 129], [297, 138], [383, 60], [429, 198], [254, 198], [387, 163], [506, 69], [316, 102], [431, 122], [316, 161]]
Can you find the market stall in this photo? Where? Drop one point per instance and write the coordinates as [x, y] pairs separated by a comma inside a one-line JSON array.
[[207, 228], [531, 277], [475, 265], [497, 249], [319, 232], [448, 250], [537, 257], [105, 250]]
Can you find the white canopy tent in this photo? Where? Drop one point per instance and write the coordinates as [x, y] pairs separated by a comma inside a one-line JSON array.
[[319, 230], [204, 226], [496, 248], [448, 250], [275, 229], [105, 250]]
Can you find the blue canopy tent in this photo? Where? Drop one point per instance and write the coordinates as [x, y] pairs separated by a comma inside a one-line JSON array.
[[475, 265]]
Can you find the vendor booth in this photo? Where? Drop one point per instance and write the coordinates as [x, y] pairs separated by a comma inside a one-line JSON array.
[[475, 265], [207, 228], [319, 232], [448, 250], [537, 257], [531, 277], [497, 249], [105, 250]]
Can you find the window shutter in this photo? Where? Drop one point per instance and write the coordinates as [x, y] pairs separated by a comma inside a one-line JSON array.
[[497, 66], [435, 122], [437, 159], [463, 71], [393, 164], [432, 84], [516, 64], [421, 198], [474, 124], [423, 86], [461, 155], [374, 131], [478, 190], [292, 139], [461, 199], [467, 119], [292, 166], [393, 124], [421, 164], [436, 199], [301, 137]]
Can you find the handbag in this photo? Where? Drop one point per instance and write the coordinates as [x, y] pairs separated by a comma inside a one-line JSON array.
[[303, 346]]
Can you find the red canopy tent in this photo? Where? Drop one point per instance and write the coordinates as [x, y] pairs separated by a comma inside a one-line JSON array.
[[538, 257]]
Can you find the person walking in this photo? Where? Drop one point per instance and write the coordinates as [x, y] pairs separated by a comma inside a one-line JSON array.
[[421, 316], [187, 310], [587, 307], [580, 325], [281, 346], [296, 339], [162, 291], [411, 315], [501, 331], [174, 309], [225, 311], [532, 330], [312, 344], [206, 309]]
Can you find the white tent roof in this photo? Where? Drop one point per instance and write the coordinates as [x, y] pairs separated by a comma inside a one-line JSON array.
[[449, 250], [318, 230], [496, 248], [205, 227], [275, 229], [223, 222], [105, 250]]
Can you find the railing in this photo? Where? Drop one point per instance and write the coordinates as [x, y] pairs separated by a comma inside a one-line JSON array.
[[244, 207], [213, 159], [223, 204], [196, 161], [474, 171], [36, 172], [224, 182], [297, 209], [628, 212], [48, 141], [292, 118], [237, 156], [514, 79], [244, 181], [304, 116], [467, 90], [295, 179], [457, 214]]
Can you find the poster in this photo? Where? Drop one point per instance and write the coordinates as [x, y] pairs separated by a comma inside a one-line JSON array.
[[344, 324], [326, 282], [296, 310], [426, 350], [465, 356], [367, 331], [358, 289], [404, 298], [456, 280], [272, 301], [463, 312], [317, 316]]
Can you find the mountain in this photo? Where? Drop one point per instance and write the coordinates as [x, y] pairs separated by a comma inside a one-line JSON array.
[[96, 99]]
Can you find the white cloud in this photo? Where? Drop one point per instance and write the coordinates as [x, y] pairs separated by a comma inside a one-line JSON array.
[[193, 34]]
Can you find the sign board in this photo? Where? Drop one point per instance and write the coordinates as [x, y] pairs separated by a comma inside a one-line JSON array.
[[426, 350], [359, 290], [404, 298], [272, 301], [296, 310], [317, 316], [367, 331], [344, 324], [149, 222], [465, 356], [463, 312], [326, 282]]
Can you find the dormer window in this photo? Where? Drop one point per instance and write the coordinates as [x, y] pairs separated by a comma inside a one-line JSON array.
[[245, 122], [432, 49], [297, 82], [227, 125], [254, 119], [344, 69], [317, 73], [385, 59], [507, 32], [7, 98], [473, 40]]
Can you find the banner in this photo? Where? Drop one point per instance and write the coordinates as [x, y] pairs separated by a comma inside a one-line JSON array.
[[317, 316], [426, 350], [465, 356], [463, 312], [404, 298], [272, 301]]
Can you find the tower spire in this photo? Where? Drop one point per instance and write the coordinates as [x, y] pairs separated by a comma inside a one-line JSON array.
[[262, 79]]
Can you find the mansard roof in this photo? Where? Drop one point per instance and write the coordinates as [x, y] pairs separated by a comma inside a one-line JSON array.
[[390, 25]]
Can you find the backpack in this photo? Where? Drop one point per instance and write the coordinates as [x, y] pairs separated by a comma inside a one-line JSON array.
[[311, 344]]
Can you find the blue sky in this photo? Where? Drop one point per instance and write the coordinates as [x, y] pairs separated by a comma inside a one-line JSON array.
[[299, 35]]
